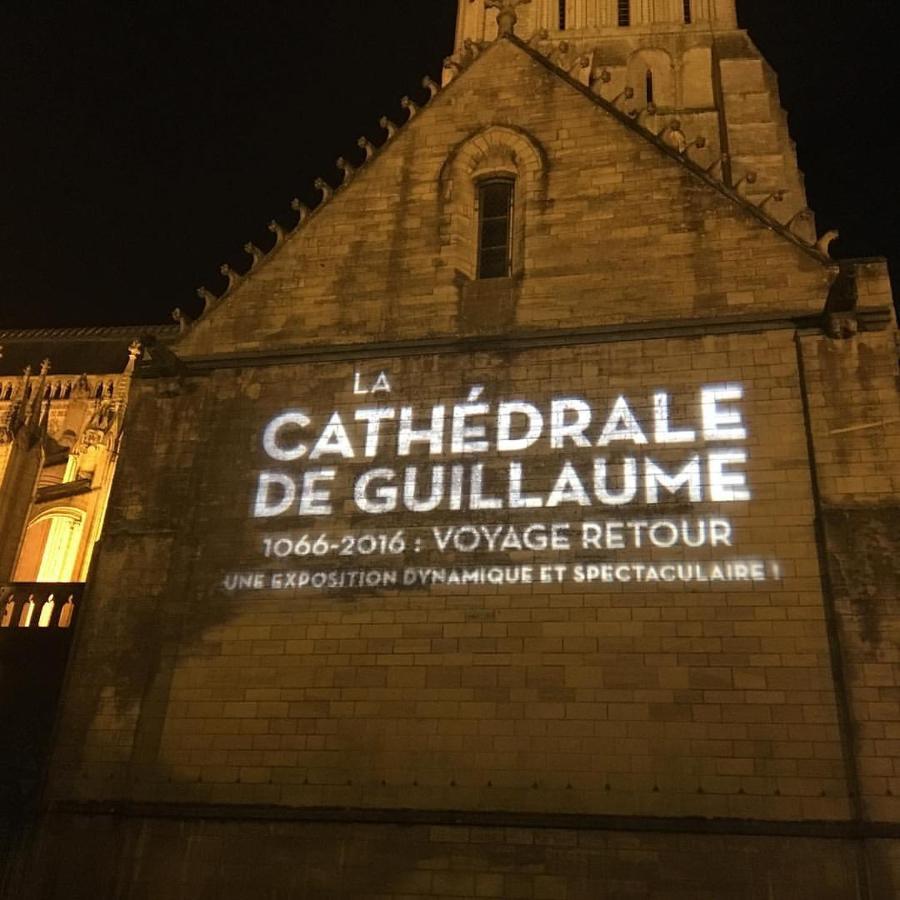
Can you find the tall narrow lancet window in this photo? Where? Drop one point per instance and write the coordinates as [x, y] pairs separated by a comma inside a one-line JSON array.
[[649, 87], [624, 12], [495, 207], [688, 12], [562, 15]]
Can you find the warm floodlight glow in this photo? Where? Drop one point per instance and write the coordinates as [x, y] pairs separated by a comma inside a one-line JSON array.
[[494, 490]]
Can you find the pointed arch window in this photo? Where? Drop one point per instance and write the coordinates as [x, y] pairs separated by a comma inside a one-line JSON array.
[[624, 13], [495, 211], [51, 547]]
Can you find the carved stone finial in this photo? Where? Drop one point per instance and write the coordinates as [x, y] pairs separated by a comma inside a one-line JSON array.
[[345, 168], [302, 210], [183, 319], [367, 147], [674, 136], [627, 94], [134, 350], [698, 142], [559, 55], [507, 17], [231, 275], [823, 245], [208, 298], [750, 177], [540, 35], [410, 107], [639, 115], [325, 188], [278, 231], [472, 50], [452, 68], [253, 251], [580, 69], [431, 86], [599, 78], [45, 368], [775, 197], [388, 126], [804, 216]]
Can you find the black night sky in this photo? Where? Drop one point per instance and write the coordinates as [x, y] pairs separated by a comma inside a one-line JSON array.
[[143, 144]]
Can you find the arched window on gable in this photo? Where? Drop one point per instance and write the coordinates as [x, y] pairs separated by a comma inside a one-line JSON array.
[[648, 82], [624, 13], [492, 185], [562, 14], [688, 12], [495, 212]]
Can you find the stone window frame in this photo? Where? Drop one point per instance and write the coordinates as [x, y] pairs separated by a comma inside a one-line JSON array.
[[657, 64], [483, 185], [497, 151]]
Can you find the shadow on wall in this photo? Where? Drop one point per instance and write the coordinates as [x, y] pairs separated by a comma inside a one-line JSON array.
[[220, 860]]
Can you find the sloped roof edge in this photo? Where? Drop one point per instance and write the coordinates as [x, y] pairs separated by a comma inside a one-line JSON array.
[[684, 160], [284, 236]]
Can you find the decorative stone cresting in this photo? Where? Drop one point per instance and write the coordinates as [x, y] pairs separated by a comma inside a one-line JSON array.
[[304, 213], [823, 245], [254, 253], [580, 68]]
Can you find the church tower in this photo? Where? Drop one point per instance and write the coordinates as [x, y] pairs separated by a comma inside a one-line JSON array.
[[670, 60]]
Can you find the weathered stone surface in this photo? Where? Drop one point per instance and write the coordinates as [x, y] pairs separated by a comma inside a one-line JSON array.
[[758, 718]]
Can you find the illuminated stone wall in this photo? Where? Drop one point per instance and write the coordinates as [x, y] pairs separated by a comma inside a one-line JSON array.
[[855, 412], [573, 689], [278, 629]]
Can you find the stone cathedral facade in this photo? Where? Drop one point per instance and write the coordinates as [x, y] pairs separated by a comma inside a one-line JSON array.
[[522, 522]]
